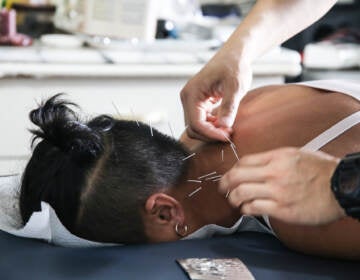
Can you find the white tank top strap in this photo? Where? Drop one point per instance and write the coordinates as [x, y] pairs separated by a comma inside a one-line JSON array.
[[333, 132], [351, 88], [348, 87]]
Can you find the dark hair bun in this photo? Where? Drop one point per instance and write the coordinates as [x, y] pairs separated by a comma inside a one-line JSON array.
[[60, 126]]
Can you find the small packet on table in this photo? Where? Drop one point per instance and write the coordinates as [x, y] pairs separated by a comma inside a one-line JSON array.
[[215, 269]]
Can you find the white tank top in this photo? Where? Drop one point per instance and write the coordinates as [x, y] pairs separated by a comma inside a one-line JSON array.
[[346, 87]]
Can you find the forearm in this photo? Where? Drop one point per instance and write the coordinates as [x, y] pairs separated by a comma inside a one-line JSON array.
[[270, 23], [340, 239]]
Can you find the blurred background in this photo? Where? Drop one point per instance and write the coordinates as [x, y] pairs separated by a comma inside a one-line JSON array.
[[130, 58]]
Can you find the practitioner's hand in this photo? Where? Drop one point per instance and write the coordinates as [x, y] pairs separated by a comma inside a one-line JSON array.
[[211, 98], [288, 184], [227, 77]]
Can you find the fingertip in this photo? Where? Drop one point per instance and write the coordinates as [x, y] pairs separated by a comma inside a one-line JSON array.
[[194, 135], [232, 200], [245, 209], [227, 113], [216, 133], [209, 131], [225, 121], [224, 134], [204, 131]]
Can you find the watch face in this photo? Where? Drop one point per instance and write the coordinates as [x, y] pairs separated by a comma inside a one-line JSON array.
[[349, 179]]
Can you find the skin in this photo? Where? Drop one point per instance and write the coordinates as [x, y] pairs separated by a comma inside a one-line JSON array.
[[211, 98], [268, 118], [285, 195]]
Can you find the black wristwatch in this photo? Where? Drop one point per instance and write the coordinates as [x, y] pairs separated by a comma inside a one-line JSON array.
[[345, 184]]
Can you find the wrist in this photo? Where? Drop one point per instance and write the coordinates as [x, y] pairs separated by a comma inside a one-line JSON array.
[[238, 48], [239, 53]]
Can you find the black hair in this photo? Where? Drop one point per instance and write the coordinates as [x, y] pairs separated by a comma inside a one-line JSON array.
[[97, 174]]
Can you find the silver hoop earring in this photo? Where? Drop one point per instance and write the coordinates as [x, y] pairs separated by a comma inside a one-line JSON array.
[[181, 230]]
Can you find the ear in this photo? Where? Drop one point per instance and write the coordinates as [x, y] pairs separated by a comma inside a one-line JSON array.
[[164, 209], [162, 213]]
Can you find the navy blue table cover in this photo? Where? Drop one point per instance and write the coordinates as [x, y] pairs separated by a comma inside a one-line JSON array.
[[264, 255]]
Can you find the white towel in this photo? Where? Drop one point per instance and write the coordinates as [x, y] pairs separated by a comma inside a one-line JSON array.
[[43, 225]]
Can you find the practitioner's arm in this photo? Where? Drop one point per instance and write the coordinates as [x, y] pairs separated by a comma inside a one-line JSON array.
[[227, 76], [270, 23]]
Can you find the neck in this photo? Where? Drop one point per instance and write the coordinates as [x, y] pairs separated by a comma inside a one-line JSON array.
[[202, 202]]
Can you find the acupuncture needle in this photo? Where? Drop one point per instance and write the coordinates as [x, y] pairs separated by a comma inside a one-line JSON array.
[[185, 158], [213, 177], [194, 181], [194, 192], [151, 129], [171, 130], [235, 153], [206, 175], [134, 117], [116, 109]]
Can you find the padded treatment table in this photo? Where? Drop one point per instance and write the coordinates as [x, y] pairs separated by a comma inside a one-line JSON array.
[[264, 255]]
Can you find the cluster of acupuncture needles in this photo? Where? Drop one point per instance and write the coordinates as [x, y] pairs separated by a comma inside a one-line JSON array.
[[212, 176]]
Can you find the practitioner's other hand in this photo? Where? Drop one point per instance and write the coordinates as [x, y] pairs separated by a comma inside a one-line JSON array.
[[287, 184], [211, 98]]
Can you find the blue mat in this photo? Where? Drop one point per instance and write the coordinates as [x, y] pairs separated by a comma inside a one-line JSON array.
[[264, 255]]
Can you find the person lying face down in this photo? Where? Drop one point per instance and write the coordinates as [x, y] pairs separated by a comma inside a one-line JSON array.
[[112, 181]]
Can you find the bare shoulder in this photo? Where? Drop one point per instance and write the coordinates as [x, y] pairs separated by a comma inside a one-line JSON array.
[[254, 93], [298, 96], [294, 91]]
